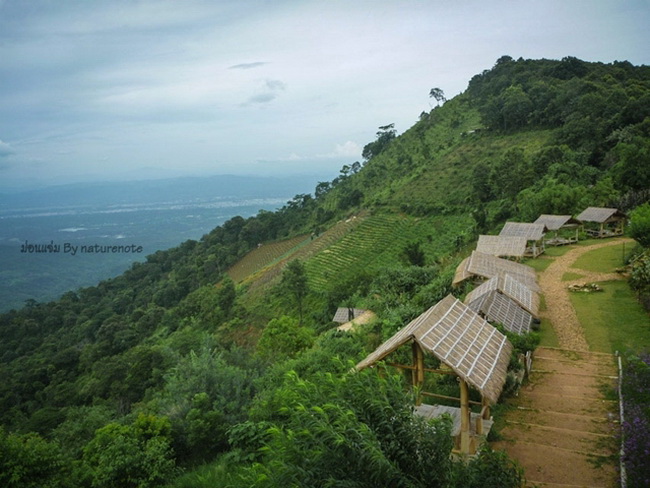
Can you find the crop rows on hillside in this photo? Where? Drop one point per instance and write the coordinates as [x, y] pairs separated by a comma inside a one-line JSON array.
[[376, 243], [262, 256]]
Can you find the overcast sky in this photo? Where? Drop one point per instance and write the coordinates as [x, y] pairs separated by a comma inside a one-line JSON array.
[[112, 89]]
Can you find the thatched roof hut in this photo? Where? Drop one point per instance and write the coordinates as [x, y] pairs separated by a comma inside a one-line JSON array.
[[497, 308], [509, 286], [469, 346], [605, 222], [557, 223], [502, 246], [533, 233], [486, 266], [459, 338], [347, 314]]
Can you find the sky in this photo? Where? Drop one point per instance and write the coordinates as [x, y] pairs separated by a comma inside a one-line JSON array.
[[96, 90]]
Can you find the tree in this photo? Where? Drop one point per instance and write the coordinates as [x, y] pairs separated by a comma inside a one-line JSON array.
[[385, 135], [284, 338], [438, 95], [294, 282], [640, 224], [29, 461], [413, 254], [131, 456]]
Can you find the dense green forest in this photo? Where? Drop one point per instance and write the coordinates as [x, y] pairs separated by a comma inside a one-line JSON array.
[[176, 367]]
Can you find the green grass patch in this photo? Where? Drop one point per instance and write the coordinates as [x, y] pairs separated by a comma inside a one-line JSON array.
[[613, 319], [547, 335], [540, 264], [569, 276], [605, 259]]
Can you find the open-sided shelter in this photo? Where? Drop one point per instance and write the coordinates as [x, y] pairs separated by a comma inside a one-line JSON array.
[[509, 286], [469, 347], [485, 266], [557, 224], [603, 222], [347, 314], [533, 233], [498, 308], [502, 246]]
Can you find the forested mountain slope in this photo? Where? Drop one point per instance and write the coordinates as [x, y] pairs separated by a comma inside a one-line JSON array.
[[175, 362]]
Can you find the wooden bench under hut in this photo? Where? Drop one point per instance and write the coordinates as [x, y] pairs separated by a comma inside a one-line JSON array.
[[502, 246], [562, 226], [602, 222], [507, 285], [480, 267], [468, 347], [498, 308], [533, 233]]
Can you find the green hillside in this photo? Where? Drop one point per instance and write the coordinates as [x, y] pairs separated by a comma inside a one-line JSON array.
[[219, 357]]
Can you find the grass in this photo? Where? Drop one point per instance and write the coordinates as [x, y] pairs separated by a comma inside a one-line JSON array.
[[547, 335], [569, 276], [605, 259], [612, 319]]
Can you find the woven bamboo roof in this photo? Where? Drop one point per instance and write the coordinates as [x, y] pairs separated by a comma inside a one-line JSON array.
[[532, 232], [345, 314], [459, 338], [501, 309], [509, 286], [556, 222], [487, 266], [502, 245], [601, 215]]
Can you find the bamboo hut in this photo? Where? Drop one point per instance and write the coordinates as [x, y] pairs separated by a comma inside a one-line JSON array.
[[347, 314], [509, 286], [470, 348], [603, 222], [533, 233], [502, 246], [485, 266], [497, 308], [557, 224]]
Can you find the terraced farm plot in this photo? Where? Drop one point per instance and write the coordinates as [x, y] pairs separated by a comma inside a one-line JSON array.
[[263, 256], [257, 275], [377, 242]]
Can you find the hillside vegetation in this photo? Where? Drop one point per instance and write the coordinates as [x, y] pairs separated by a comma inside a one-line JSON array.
[[221, 353]]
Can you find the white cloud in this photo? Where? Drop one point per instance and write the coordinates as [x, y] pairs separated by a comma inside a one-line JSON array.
[[348, 149], [5, 149]]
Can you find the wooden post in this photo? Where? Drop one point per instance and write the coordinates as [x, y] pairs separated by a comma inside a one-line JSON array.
[[417, 374], [465, 413], [486, 408]]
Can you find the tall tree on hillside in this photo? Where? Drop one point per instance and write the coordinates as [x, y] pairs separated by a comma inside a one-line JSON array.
[[294, 281], [438, 95]]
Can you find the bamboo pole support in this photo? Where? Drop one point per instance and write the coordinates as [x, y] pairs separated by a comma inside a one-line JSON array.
[[464, 418]]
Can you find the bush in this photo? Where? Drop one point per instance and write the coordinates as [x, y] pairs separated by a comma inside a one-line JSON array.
[[640, 224]]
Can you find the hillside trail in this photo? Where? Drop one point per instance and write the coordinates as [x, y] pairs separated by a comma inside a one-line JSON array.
[[559, 310], [562, 428]]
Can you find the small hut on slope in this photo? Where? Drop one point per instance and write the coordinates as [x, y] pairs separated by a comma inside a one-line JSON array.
[[603, 222], [502, 246], [533, 233], [557, 224], [509, 286], [498, 308], [485, 266], [470, 347], [347, 314]]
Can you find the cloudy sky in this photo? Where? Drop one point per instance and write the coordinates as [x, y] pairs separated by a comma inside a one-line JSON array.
[[116, 89]]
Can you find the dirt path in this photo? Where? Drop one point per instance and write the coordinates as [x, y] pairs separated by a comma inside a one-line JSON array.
[[562, 428], [558, 306]]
